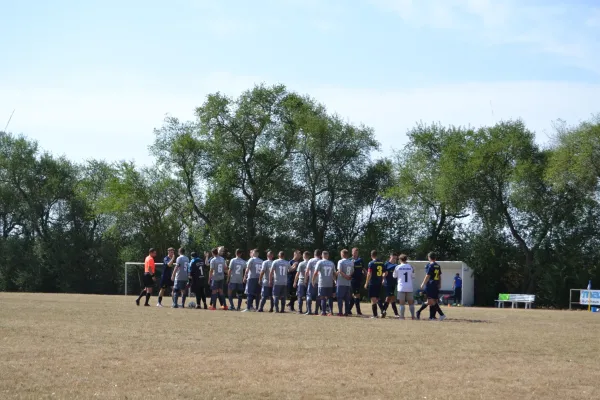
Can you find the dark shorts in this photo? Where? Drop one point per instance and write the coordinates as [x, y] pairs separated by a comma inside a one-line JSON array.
[[267, 291], [390, 290], [236, 287], [252, 286], [343, 292], [356, 286], [312, 292], [432, 291], [291, 290], [301, 290], [374, 291], [167, 285], [280, 291], [216, 285], [198, 287], [325, 291], [148, 281]]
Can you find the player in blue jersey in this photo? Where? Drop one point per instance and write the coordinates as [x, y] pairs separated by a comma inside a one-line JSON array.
[[357, 281], [389, 284], [198, 279], [432, 284], [165, 280], [374, 282]]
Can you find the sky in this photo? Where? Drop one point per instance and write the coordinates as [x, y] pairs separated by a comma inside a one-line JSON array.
[[92, 79]]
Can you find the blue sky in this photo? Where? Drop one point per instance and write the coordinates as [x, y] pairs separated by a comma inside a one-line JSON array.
[[93, 78]]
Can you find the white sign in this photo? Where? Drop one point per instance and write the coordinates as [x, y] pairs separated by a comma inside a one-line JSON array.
[[589, 297]]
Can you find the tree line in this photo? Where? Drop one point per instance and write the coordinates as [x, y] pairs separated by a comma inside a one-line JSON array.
[[275, 169]]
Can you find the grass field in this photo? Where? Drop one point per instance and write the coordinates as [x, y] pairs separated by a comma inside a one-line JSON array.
[[77, 346]]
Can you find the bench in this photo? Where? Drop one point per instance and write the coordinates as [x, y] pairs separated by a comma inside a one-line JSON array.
[[515, 299]]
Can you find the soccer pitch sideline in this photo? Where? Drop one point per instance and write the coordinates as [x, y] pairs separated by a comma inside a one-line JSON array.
[[59, 346]]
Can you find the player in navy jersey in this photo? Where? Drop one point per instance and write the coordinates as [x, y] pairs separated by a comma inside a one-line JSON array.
[[374, 282], [198, 279], [357, 281], [165, 280], [432, 284], [389, 284], [291, 277]]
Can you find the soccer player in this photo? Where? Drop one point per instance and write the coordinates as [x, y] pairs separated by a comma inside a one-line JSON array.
[[300, 281], [235, 279], [149, 270], [251, 276], [405, 274], [312, 288], [431, 284], [198, 279], [457, 287], [291, 277], [278, 279], [325, 270], [345, 270], [356, 282], [218, 269], [389, 284], [267, 287], [180, 277], [165, 278], [373, 283]]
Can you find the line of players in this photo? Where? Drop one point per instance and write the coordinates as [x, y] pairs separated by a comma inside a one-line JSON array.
[[314, 279]]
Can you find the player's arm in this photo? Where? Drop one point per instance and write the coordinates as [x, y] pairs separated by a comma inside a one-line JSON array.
[[228, 271], [260, 277], [368, 278], [211, 271], [271, 275], [425, 280], [296, 279], [314, 277], [246, 270]]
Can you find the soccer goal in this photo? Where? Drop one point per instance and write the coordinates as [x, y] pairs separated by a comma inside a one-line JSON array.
[[135, 270]]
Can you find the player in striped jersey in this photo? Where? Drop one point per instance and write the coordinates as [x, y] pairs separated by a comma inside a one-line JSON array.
[[405, 274], [300, 281]]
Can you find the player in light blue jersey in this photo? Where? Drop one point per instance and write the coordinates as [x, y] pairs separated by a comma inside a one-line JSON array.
[[345, 270], [312, 293], [278, 279], [267, 287], [325, 272], [251, 276], [236, 279], [300, 281], [218, 269]]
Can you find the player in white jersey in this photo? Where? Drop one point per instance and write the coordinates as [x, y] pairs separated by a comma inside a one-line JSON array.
[[405, 274], [235, 279], [267, 286], [278, 279]]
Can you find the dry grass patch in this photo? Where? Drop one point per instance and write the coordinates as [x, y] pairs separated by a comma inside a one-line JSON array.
[[83, 347]]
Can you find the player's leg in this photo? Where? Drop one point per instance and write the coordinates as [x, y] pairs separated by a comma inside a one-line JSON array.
[[340, 299], [330, 300], [283, 299], [184, 293], [392, 302], [301, 294], [230, 294], [411, 303], [175, 295], [356, 285], [142, 294], [161, 293], [458, 296], [402, 301], [222, 296], [276, 297]]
